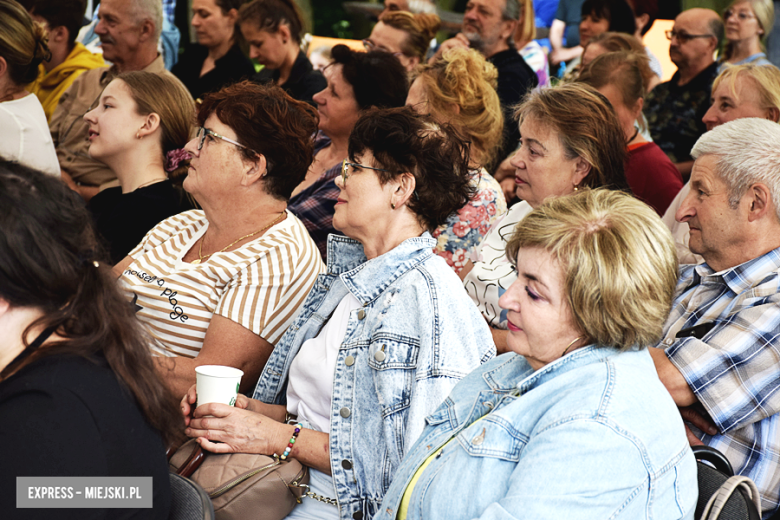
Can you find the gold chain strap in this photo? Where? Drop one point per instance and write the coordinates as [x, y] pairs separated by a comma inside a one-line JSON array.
[[315, 496]]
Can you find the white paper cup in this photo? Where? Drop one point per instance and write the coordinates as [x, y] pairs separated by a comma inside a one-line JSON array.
[[217, 384]]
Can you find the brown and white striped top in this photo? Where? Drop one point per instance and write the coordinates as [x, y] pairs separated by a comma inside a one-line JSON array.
[[260, 285]]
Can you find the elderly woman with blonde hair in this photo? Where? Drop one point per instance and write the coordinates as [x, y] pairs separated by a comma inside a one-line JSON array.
[[748, 90], [747, 24], [555, 422], [460, 89], [572, 140]]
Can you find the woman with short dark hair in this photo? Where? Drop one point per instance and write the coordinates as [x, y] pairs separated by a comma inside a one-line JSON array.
[[220, 286], [357, 81], [382, 338], [79, 395]]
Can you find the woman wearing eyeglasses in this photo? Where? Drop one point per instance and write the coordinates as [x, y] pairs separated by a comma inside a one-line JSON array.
[[747, 25], [357, 81], [407, 36], [220, 286], [383, 337]]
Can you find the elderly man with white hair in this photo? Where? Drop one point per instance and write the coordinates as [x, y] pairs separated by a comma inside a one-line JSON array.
[[721, 347], [129, 31]]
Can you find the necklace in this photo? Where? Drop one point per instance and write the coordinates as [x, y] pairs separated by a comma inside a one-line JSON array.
[[636, 133], [153, 181], [202, 257]]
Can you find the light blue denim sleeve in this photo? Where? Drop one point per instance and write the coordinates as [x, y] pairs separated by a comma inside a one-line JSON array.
[[585, 469]]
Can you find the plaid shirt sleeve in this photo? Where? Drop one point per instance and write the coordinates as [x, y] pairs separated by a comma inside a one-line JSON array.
[[733, 370]]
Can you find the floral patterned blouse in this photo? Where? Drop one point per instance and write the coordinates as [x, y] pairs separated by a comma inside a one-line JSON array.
[[460, 236]]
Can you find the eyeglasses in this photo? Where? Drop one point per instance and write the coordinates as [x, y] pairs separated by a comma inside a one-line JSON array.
[[345, 167], [369, 46], [684, 37], [203, 132], [742, 15]]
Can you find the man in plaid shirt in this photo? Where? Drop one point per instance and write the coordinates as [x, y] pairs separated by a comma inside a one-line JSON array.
[[721, 347]]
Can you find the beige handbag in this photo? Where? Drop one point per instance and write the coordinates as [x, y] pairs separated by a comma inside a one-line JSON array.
[[243, 485]]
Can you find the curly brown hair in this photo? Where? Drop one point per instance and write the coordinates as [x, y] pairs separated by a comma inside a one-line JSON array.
[[403, 141], [269, 122]]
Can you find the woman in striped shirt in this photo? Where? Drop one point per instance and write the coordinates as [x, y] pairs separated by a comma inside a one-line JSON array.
[[220, 286]]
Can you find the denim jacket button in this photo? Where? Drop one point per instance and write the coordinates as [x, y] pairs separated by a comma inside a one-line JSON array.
[[358, 515], [344, 412], [379, 356], [361, 314], [349, 361], [346, 464]]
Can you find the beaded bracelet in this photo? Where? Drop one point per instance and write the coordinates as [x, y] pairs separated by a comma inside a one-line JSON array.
[[289, 447]]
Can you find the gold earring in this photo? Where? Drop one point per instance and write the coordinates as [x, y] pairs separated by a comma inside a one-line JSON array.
[[392, 205], [138, 135], [576, 188]]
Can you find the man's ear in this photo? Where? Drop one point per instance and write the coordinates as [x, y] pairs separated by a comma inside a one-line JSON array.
[[508, 28], [254, 170], [760, 202], [147, 30]]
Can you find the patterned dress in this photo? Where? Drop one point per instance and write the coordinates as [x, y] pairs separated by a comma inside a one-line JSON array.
[[460, 236]]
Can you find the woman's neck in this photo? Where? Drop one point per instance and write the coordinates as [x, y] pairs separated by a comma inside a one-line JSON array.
[[13, 322], [742, 49], [10, 91], [381, 239], [138, 168], [289, 60], [220, 50], [230, 221]]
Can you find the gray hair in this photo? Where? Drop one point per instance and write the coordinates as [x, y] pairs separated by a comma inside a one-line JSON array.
[[748, 152], [511, 9], [142, 10]]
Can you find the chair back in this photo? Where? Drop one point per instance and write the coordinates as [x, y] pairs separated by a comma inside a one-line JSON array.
[[189, 500], [713, 476]]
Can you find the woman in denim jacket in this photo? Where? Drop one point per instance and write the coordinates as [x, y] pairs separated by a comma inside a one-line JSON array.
[[382, 338], [574, 424]]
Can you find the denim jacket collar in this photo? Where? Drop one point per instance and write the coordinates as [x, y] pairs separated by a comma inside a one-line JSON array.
[[366, 280], [515, 376]]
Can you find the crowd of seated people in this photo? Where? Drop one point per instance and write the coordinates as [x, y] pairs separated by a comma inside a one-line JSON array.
[[430, 265]]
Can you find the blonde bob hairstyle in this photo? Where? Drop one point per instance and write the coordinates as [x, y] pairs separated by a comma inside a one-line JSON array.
[[463, 79], [765, 79], [618, 260]]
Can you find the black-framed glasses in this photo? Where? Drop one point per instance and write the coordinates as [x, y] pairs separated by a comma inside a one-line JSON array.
[[345, 167], [684, 37], [203, 132], [743, 16]]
